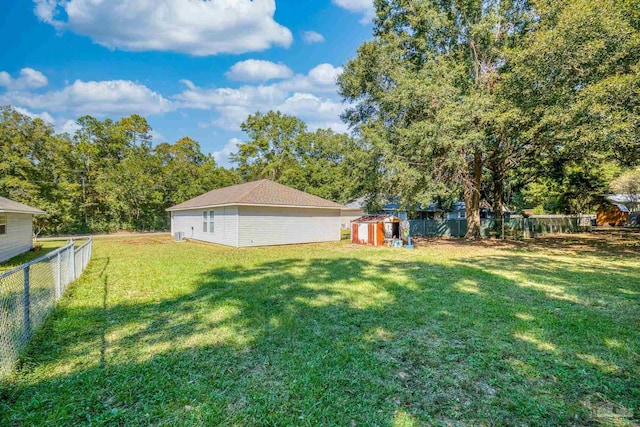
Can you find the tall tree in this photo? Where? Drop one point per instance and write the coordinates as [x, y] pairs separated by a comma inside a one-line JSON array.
[[423, 90], [575, 84], [280, 148]]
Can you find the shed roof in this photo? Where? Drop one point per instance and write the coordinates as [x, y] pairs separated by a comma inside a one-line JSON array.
[[257, 193], [377, 218], [623, 198], [622, 208], [10, 206]]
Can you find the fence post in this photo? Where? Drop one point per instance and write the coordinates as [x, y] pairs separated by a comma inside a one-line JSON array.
[[73, 262], [59, 276], [26, 305]]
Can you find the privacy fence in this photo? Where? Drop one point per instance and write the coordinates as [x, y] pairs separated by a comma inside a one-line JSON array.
[[29, 292], [513, 228]]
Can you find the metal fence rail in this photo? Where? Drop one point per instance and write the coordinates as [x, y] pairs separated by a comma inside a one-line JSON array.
[[29, 292]]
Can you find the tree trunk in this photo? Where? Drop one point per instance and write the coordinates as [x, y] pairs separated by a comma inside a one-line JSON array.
[[498, 190], [472, 198]]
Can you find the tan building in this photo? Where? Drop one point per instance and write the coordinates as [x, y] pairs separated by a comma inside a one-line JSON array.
[[258, 213]]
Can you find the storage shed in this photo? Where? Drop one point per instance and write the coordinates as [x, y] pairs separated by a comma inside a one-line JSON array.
[[375, 230], [16, 228], [258, 213], [613, 214]]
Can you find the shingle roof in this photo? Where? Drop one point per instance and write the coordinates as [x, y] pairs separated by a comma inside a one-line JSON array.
[[262, 192], [357, 204], [377, 218], [9, 206]]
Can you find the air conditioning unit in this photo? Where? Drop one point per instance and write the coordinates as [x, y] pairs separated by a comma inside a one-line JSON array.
[[178, 236]]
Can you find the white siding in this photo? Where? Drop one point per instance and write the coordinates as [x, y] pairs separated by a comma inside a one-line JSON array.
[[225, 229], [346, 216], [264, 226], [19, 236]]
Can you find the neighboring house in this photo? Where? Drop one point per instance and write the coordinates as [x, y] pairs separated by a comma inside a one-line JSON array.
[[433, 211], [259, 213], [352, 210], [630, 201], [613, 214], [459, 211], [16, 228], [429, 211]]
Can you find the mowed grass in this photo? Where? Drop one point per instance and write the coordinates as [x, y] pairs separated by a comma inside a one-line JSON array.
[[164, 333], [45, 247]]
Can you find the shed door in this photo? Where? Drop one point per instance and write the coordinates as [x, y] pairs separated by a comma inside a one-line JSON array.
[[380, 234], [372, 237], [362, 234], [354, 233]]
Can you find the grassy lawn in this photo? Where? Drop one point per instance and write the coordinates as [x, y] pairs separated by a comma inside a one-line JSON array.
[[46, 247], [164, 333]]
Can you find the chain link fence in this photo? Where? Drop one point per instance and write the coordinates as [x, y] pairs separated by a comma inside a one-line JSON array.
[[29, 292], [512, 228]]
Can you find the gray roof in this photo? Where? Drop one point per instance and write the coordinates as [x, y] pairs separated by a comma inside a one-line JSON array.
[[622, 208], [357, 204], [9, 206], [260, 193], [623, 198]]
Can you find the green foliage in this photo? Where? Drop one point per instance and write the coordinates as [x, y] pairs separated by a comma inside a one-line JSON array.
[[280, 148], [106, 177], [423, 94], [477, 98]]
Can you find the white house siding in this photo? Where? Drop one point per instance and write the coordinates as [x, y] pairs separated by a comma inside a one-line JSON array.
[[19, 236], [346, 216], [265, 226], [225, 231]]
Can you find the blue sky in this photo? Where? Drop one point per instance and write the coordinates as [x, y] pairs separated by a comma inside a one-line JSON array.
[[191, 67]]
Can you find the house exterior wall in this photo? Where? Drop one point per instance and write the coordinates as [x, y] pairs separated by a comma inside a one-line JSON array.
[[346, 216], [265, 226], [18, 238], [225, 230]]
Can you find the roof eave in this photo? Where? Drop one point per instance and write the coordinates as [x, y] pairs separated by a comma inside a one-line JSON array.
[[38, 212], [221, 205]]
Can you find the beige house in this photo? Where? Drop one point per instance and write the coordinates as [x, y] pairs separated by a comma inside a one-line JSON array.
[[258, 213], [16, 228], [351, 211]]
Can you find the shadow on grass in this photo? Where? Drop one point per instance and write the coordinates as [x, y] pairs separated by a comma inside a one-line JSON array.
[[338, 341]]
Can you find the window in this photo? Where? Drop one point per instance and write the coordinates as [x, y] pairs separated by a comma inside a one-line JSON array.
[[3, 224], [204, 221], [211, 221]]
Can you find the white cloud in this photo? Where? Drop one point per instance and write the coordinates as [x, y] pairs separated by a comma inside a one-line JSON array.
[[310, 37], [70, 127], [364, 7], [194, 27], [44, 116], [222, 156], [258, 70], [27, 79], [321, 78], [311, 97], [95, 98]]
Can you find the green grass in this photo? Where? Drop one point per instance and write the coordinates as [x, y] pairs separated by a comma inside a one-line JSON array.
[[164, 333], [45, 247]]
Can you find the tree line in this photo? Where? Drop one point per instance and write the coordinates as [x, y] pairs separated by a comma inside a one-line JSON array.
[[528, 103], [108, 176], [525, 100]]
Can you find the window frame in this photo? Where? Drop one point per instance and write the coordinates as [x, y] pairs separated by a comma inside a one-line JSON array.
[[212, 217], [3, 224], [205, 221]]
